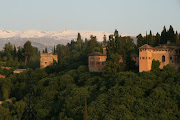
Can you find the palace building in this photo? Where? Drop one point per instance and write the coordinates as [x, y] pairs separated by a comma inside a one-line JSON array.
[[165, 54], [47, 59]]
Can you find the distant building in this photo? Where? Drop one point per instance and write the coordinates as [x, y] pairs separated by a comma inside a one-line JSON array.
[[8, 68], [2, 76], [19, 71], [165, 54], [47, 59], [96, 62]]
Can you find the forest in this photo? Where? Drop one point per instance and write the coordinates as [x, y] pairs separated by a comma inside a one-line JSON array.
[[68, 91]]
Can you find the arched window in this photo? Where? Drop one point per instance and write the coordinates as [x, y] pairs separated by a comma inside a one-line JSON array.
[[163, 58]]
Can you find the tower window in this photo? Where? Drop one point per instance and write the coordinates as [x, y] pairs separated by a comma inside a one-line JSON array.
[[163, 58]]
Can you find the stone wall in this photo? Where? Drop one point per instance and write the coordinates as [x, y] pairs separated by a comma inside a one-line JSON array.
[[47, 59], [96, 63]]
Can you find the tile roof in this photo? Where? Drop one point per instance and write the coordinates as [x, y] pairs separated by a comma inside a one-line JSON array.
[[146, 46]]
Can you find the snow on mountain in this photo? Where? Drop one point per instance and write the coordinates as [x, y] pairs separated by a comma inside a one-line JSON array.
[[48, 38], [63, 34]]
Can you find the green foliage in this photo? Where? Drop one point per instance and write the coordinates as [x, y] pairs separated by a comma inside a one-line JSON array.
[[28, 51], [119, 50], [58, 91], [155, 66]]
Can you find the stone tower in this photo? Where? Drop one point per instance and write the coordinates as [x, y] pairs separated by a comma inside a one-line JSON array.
[[145, 58], [47, 59]]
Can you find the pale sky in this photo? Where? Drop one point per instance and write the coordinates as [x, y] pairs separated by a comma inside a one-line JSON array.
[[127, 16]]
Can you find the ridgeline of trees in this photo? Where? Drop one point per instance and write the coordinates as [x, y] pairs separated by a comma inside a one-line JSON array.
[[163, 38], [20, 57], [68, 91]]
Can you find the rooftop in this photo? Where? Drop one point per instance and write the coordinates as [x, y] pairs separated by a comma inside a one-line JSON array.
[[146, 46], [96, 54]]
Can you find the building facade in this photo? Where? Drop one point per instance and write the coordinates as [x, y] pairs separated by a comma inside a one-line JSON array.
[[96, 62], [47, 59], [165, 54]]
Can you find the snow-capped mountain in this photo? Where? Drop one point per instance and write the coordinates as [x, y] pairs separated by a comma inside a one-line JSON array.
[[58, 35], [42, 39]]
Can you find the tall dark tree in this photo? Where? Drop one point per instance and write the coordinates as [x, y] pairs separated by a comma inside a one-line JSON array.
[[150, 39], [104, 40], [8, 50], [171, 35], [85, 110], [140, 40], [54, 49], [28, 51], [116, 33], [177, 37], [79, 42], [164, 36], [157, 39], [45, 51], [14, 51]]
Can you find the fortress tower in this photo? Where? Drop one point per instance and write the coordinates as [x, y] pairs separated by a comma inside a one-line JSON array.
[[145, 58]]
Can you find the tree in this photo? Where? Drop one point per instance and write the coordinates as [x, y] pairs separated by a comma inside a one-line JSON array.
[[14, 51], [150, 39], [140, 40], [171, 35], [116, 33], [157, 39], [164, 36], [155, 65], [79, 42], [177, 37], [54, 50], [8, 50], [104, 40], [46, 51], [85, 110], [27, 51]]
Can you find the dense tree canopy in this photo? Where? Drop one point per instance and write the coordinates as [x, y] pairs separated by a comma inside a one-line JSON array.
[[68, 91]]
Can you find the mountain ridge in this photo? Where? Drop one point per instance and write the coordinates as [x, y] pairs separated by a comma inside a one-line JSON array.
[[48, 38]]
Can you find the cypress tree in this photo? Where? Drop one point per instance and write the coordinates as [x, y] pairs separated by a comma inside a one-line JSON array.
[[150, 39], [104, 40], [163, 39], [28, 51], [46, 50], [54, 51], [116, 33], [177, 37], [157, 39], [14, 51], [85, 110], [140, 40], [171, 35]]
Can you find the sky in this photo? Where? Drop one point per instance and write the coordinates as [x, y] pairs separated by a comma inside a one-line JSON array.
[[127, 16]]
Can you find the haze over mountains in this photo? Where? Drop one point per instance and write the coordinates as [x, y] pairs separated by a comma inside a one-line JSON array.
[[42, 39]]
